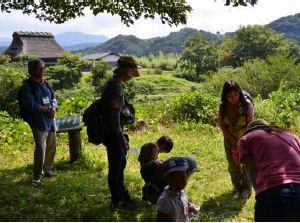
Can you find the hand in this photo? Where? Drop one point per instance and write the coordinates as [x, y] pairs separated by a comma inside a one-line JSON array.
[[193, 208], [52, 112], [124, 144]]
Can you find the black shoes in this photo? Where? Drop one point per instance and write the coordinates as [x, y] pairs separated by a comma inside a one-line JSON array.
[[49, 174]]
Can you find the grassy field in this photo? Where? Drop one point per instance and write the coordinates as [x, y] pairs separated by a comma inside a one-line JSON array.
[[80, 193]]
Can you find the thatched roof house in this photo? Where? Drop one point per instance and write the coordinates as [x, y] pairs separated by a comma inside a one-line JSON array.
[[109, 57], [40, 44]]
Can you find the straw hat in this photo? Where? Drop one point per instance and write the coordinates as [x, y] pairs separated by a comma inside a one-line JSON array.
[[258, 124], [127, 66]]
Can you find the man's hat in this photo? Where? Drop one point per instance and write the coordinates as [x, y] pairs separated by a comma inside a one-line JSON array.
[[193, 167], [257, 124]]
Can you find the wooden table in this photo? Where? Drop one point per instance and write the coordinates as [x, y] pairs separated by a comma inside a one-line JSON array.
[[71, 125]]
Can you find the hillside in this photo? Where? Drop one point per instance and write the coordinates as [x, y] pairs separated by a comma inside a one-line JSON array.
[[289, 26], [140, 47]]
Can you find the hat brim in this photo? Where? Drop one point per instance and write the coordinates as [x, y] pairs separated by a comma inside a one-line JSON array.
[[177, 168], [195, 169]]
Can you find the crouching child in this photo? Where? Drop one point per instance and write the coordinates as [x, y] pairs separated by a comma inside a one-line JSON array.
[[173, 204]]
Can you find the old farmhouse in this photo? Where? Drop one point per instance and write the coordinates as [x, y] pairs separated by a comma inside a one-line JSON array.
[[108, 57], [40, 44]]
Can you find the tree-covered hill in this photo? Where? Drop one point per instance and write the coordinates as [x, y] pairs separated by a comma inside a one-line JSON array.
[[140, 47], [289, 26]]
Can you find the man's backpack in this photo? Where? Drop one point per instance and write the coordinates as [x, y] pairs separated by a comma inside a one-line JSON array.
[[93, 119]]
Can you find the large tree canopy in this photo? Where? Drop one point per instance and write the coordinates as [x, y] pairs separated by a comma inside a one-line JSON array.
[[57, 11]]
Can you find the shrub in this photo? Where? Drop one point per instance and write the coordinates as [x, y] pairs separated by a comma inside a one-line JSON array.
[[11, 79], [194, 106], [63, 77], [100, 74], [281, 108], [74, 61]]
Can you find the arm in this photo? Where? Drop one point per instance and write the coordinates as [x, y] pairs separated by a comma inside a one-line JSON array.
[[226, 132], [115, 105], [247, 160], [250, 113]]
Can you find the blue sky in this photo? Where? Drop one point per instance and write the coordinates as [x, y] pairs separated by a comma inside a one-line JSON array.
[[208, 15]]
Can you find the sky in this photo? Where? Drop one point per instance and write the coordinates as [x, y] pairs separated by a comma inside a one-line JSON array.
[[207, 15]]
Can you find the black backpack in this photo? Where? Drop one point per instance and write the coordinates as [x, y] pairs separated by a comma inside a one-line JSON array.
[[93, 120]]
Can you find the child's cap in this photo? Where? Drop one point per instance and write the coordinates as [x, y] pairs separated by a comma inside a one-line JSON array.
[[174, 164], [193, 167]]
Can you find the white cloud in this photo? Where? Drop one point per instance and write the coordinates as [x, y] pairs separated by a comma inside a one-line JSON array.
[[208, 15]]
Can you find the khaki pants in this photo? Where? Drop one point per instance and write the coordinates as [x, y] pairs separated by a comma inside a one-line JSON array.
[[237, 172], [44, 153]]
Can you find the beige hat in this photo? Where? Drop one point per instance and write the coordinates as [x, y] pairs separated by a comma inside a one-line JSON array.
[[127, 66], [258, 124]]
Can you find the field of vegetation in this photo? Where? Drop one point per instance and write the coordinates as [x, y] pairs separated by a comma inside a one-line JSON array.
[[167, 103]]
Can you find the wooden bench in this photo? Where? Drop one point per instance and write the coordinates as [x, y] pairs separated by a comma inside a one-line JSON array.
[[71, 125]]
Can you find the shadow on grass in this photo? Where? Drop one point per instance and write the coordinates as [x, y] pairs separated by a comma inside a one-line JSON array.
[[222, 207], [78, 193]]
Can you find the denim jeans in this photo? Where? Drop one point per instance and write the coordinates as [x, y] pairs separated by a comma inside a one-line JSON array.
[[280, 203], [116, 165]]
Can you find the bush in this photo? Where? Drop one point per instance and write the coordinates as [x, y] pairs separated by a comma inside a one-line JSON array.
[[74, 61], [63, 77], [100, 74], [258, 77], [188, 74], [281, 108], [194, 106], [11, 79]]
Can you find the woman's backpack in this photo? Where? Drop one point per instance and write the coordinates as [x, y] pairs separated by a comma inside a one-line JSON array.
[[93, 120]]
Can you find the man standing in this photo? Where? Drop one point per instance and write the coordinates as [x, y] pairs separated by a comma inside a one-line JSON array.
[[38, 107]]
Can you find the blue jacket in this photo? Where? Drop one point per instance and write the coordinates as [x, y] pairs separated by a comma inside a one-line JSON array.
[[32, 96]]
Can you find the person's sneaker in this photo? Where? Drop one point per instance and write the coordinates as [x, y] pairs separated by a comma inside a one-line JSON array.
[[245, 194], [36, 181], [49, 174]]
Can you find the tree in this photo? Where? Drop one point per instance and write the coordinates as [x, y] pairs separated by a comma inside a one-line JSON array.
[[200, 55], [251, 42], [171, 12]]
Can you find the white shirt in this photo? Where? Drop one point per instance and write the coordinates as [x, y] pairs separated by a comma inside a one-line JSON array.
[[174, 204]]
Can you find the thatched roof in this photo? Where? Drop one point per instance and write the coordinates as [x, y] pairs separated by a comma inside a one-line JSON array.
[[40, 44]]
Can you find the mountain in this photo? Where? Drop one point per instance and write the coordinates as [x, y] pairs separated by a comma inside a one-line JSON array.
[[172, 43], [68, 39], [80, 46], [289, 26]]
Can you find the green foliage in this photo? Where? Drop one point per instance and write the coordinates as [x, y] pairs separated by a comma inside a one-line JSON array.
[[4, 59], [188, 74], [162, 61], [258, 77], [63, 77], [62, 11], [252, 42], [11, 78], [100, 74], [27, 58], [195, 106], [74, 61], [199, 54], [282, 108]]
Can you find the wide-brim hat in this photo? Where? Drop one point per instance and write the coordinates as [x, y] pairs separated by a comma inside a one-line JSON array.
[[257, 124], [127, 66]]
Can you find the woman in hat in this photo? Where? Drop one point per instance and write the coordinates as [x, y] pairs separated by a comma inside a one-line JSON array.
[[272, 160], [235, 112], [115, 140]]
